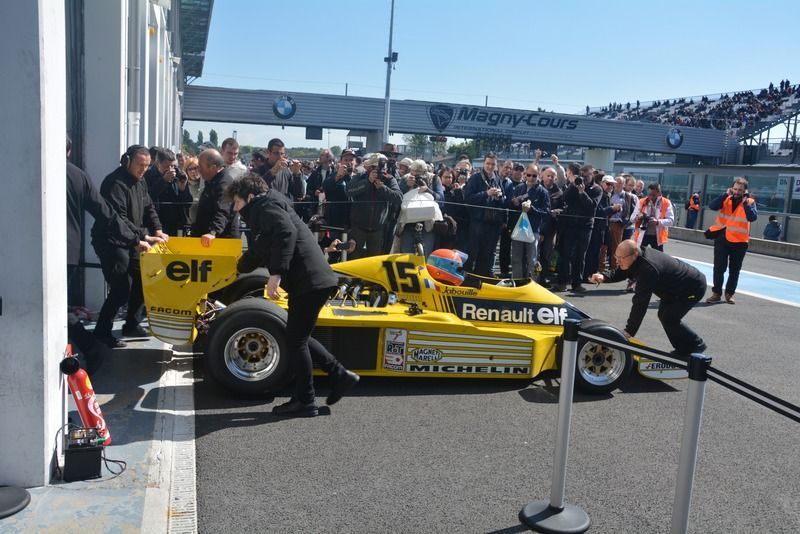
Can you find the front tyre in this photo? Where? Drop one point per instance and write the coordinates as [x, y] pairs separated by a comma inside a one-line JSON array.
[[246, 348], [601, 369]]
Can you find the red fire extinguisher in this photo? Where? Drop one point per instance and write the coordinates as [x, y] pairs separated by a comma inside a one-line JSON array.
[[83, 394]]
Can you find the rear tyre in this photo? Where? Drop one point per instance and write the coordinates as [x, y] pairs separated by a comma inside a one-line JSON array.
[[601, 369], [246, 285], [245, 348]]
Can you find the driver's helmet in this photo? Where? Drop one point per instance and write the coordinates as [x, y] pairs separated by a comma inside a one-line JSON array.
[[446, 266]]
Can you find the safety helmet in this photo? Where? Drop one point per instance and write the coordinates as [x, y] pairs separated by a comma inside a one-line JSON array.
[[446, 266]]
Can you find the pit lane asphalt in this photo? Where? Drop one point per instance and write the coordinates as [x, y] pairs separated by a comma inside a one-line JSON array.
[[433, 456]]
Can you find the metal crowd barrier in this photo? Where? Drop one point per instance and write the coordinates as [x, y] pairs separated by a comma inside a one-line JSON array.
[[556, 515]]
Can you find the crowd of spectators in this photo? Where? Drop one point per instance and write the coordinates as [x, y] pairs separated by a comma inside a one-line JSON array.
[[377, 204], [724, 112]]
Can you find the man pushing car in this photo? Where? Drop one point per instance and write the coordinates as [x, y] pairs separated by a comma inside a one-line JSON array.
[[679, 286]]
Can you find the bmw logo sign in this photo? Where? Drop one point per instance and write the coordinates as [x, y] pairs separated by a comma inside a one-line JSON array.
[[674, 138], [284, 107]]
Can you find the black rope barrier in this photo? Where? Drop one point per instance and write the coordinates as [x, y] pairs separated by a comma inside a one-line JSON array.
[[732, 383]]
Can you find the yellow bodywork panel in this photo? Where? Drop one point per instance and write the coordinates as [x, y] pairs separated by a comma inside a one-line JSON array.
[[177, 275]]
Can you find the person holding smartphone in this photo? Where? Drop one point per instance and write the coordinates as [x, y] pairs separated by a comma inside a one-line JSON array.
[[731, 234]]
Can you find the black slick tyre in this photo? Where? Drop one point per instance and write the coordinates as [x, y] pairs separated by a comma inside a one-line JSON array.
[[600, 369], [245, 350]]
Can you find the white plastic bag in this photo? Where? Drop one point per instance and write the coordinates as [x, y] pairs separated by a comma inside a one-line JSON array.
[[419, 207], [522, 230]]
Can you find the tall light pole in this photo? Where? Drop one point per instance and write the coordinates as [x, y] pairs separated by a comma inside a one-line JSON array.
[[390, 60]]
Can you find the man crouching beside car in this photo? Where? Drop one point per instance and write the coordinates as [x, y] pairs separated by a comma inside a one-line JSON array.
[[283, 243], [679, 286]]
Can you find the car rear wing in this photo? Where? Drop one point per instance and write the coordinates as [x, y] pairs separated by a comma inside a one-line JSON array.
[[177, 276]]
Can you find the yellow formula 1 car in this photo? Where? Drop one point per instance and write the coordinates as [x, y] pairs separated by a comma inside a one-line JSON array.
[[389, 317]]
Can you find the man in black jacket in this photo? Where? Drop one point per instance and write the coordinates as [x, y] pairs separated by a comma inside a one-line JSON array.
[[283, 243], [679, 286], [215, 217], [167, 187], [484, 193], [575, 224], [377, 195], [126, 193], [83, 196], [314, 183]]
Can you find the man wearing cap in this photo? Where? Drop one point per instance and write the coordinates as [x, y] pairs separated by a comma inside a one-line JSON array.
[[404, 166], [390, 151], [337, 201], [597, 254], [375, 195]]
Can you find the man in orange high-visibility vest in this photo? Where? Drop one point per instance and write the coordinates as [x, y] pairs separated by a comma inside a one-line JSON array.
[[736, 211], [653, 217], [692, 210]]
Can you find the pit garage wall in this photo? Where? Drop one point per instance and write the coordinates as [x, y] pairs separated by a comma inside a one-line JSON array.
[[33, 331], [131, 94]]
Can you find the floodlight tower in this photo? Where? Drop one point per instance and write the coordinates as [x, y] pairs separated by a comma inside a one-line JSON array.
[[390, 59]]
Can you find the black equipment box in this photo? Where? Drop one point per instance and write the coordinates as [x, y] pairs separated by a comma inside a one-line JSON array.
[[82, 455]]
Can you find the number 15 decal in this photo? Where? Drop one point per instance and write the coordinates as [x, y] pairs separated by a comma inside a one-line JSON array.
[[405, 274]]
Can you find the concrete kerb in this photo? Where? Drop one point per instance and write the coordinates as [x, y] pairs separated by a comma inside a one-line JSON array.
[[146, 394]]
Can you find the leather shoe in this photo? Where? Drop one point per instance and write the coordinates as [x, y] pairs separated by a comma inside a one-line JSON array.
[[578, 289], [714, 298], [295, 408], [111, 342], [134, 330], [729, 298], [342, 386]]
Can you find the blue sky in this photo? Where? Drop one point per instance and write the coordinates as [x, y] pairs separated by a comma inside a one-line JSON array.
[[561, 56]]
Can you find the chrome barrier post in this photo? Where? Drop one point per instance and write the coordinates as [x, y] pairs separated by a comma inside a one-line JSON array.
[[555, 515], [698, 374]]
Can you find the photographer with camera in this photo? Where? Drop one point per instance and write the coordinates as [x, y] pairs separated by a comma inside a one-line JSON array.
[[390, 151], [484, 193], [453, 207], [575, 222], [282, 174], [334, 188], [418, 206], [652, 218], [376, 195], [731, 234], [166, 185]]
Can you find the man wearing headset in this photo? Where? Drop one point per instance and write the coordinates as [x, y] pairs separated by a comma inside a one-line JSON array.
[[126, 192]]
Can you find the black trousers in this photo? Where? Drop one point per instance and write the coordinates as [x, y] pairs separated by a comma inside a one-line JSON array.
[[572, 245], [123, 276], [652, 241], [302, 317], [483, 238], [727, 256], [546, 249], [671, 312]]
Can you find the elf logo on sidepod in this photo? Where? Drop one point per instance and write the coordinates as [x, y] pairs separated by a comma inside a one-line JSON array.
[[426, 355]]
